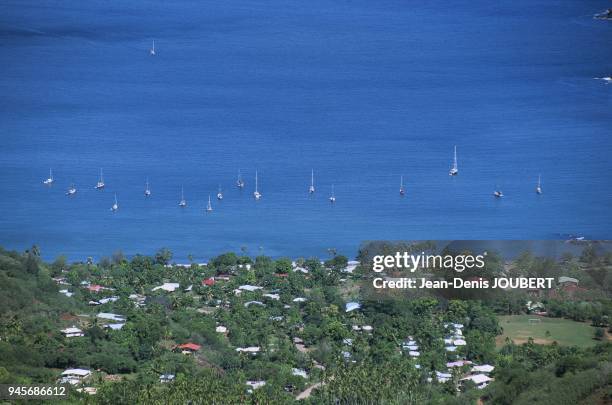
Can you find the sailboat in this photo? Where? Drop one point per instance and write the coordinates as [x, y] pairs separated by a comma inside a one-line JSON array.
[[49, 181], [539, 186], [71, 190], [332, 198], [100, 185], [401, 190], [147, 191], [311, 189], [209, 206], [115, 206], [152, 50], [182, 203], [498, 193], [256, 193], [454, 170], [219, 194], [240, 182]]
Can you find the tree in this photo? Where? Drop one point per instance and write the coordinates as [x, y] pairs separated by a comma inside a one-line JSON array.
[[163, 256]]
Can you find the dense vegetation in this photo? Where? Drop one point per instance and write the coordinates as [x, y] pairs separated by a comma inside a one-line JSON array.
[[343, 363]]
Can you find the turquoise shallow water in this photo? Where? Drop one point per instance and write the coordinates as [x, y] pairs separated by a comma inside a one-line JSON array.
[[360, 91]]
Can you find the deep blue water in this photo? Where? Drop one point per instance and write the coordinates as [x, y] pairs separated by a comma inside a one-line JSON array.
[[361, 91]]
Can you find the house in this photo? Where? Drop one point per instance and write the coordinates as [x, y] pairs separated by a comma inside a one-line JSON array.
[[414, 353], [166, 378], [480, 380], [188, 348], [458, 363], [248, 304], [272, 296], [255, 384], [222, 277], [443, 377], [96, 288], [107, 300], [484, 369], [61, 281], [138, 299], [351, 266], [299, 269], [299, 299], [459, 342], [74, 376], [567, 280], [111, 317], [168, 287], [88, 390], [221, 329], [115, 326], [299, 372], [209, 282], [351, 306], [253, 350], [248, 287], [72, 332]]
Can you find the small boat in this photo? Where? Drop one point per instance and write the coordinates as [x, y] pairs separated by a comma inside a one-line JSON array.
[[454, 170], [498, 193], [256, 193], [240, 182], [332, 198], [71, 190], [219, 194], [147, 191], [311, 189], [209, 206], [539, 186], [50, 180], [182, 203], [401, 190], [100, 185], [152, 50], [115, 206]]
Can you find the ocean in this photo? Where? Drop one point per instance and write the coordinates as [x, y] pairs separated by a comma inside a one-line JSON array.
[[361, 91]]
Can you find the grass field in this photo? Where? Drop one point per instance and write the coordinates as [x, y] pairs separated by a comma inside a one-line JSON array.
[[563, 331]]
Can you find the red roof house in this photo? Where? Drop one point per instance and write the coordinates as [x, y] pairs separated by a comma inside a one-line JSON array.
[[209, 282], [191, 347]]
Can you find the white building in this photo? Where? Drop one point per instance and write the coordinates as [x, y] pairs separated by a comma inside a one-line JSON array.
[[74, 376], [168, 287], [485, 368], [111, 317], [480, 380], [166, 378], [72, 332]]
